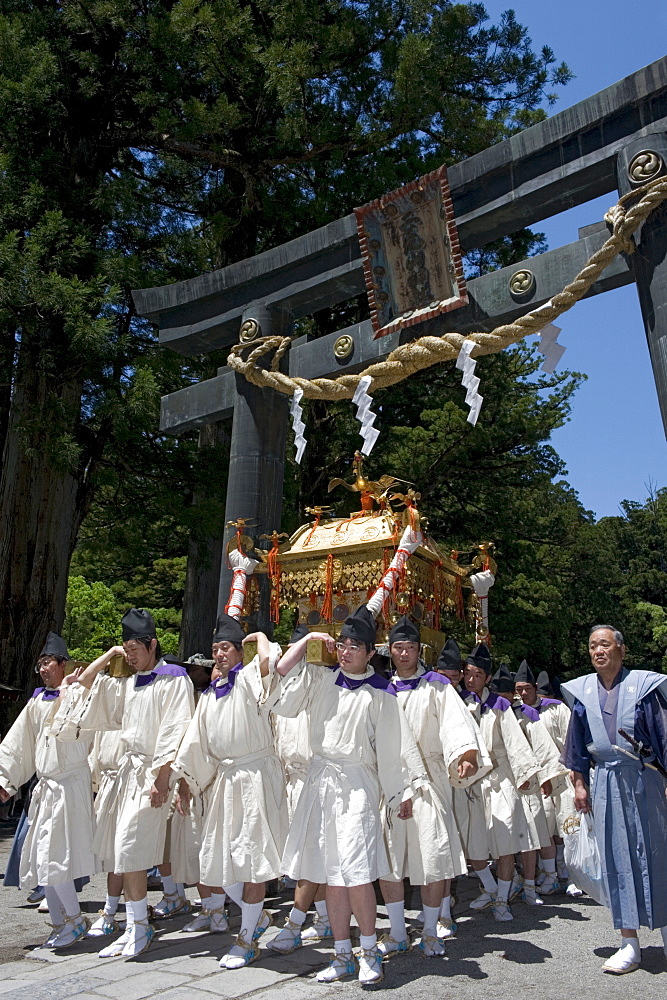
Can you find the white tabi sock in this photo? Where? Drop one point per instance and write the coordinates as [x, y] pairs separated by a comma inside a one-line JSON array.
[[529, 883], [487, 880], [69, 899], [341, 947], [250, 914], [446, 908], [217, 901], [111, 905], [549, 865], [369, 941], [140, 909], [560, 852], [431, 914], [504, 890], [129, 910], [629, 950], [168, 885], [56, 911], [180, 889], [396, 914], [235, 892], [321, 907], [297, 916]]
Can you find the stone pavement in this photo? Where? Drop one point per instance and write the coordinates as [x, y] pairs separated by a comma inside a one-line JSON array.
[[554, 952]]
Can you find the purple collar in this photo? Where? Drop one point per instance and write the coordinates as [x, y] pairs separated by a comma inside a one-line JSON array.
[[222, 687], [528, 711], [374, 680], [493, 701], [161, 669], [545, 702], [431, 676], [48, 694]]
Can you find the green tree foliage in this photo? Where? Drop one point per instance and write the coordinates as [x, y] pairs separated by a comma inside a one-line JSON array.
[[92, 621], [636, 544]]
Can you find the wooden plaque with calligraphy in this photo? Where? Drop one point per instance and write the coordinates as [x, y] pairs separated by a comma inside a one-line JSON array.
[[411, 254]]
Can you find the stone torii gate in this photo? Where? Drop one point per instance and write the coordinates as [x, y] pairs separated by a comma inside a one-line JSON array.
[[615, 140]]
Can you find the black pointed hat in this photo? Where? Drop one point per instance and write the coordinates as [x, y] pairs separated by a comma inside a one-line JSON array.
[[299, 632], [405, 630], [228, 629], [502, 681], [138, 624], [480, 657], [55, 646], [450, 657], [524, 674], [543, 684], [360, 626]]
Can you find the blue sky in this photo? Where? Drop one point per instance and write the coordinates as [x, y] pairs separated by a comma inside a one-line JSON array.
[[614, 445]]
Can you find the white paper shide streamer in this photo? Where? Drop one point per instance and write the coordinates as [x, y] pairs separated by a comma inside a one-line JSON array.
[[470, 381], [365, 415], [550, 348], [298, 426]]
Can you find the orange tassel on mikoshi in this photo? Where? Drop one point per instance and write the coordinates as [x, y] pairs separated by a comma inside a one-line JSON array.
[[460, 606], [327, 603], [437, 597], [273, 567]]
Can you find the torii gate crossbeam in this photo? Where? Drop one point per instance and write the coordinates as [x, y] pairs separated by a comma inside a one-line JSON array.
[[566, 160]]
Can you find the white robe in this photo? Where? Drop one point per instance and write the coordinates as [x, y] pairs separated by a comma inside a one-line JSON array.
[[184, 833], [228, 755], [427, 847], [293, 748], [357, 738], [104, 761], [556, 717], [491, 815], [292, 738], [152, 719], [538, 808], [59, 843]]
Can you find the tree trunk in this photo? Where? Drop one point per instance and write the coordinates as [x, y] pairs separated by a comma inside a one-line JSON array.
[[200, 599], [42, 504]]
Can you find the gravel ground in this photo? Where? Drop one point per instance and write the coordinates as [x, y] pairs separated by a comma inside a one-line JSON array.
[[556, 951]]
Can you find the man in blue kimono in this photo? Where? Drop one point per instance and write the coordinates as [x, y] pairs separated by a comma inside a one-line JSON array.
[[626, 797]]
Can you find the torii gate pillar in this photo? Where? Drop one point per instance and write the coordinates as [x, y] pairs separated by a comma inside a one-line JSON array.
[[257, 455], [640, 161]]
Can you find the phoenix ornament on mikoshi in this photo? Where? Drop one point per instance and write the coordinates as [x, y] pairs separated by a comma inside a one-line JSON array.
[[370, 490]]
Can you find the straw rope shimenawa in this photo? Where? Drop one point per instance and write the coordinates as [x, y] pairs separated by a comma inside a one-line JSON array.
[[624, 218]]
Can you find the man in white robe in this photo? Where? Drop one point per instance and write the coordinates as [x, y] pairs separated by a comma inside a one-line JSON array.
[[496, 823], [426, 848], [535, 796], [556, 717], [228, 755], [293, 748], [152, 709], [59, 844], [358, 734], [104, 760], [187, 824]]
